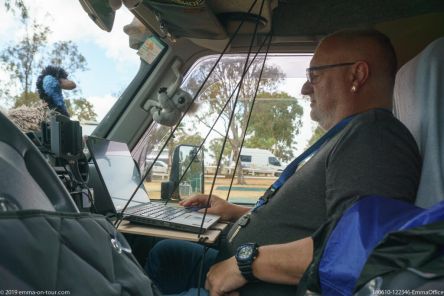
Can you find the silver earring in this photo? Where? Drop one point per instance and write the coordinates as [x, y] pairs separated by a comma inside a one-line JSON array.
[[353, 89]]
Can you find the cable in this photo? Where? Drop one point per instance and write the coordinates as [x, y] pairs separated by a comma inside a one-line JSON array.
[[223, 146], [119, 220], [248, 120], [246, 127], [231, 119], [215, 121], [197, 93], [80, 182]]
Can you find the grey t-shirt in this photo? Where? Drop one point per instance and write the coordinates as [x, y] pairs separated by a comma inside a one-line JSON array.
[[373, 155]]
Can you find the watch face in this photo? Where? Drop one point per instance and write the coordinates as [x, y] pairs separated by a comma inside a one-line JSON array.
[[245, 252]]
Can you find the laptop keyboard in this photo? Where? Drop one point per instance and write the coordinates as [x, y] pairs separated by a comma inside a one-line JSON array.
[[158, 211]]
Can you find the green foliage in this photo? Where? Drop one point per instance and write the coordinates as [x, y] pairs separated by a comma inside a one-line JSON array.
[[182, 136], [24, 60], [318, 132], [186, 138], [66, 54], [215, 148], [20, 60], [17, 5], [81, 108], [26, 99], [275, 121]]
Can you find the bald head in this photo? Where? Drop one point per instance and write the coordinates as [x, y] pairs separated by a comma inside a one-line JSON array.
[[351, 71], [366, 45]]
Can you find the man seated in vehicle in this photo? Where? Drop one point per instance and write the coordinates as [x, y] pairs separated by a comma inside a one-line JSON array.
[[352, 73]]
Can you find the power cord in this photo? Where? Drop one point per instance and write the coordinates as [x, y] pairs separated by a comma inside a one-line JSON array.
[[119, 220], [75, 176], [245, 71], [214, 123]]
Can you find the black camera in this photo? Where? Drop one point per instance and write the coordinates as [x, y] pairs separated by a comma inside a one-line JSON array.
[[60, 141], [65, 138]]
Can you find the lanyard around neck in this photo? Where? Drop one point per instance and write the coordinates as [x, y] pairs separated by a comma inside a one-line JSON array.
[[293, 166]]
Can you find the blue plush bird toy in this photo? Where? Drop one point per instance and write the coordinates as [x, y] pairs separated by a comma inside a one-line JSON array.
[[49, 86]]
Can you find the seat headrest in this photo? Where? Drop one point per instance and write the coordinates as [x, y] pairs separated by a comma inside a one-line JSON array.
[[419, 104]]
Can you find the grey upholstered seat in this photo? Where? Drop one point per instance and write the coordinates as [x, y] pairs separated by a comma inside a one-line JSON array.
[[419, 104]]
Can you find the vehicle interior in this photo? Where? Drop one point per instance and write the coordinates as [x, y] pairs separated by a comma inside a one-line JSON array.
[[180, 44]]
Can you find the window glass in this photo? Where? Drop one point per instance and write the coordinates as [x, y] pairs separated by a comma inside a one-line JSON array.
[[61, 34], [245, 158], [272, 129], [273, 161]]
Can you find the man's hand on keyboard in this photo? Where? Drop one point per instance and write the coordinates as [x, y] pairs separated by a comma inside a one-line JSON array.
[[217, 206]]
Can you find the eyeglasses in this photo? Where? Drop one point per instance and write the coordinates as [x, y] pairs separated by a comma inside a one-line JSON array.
[[309, 71]]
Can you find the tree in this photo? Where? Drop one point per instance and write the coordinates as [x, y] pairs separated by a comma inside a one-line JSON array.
[[283, 124], [17, 5], [66, 54], [222, 84], [215, 147], [82, 109], [78, 108], [182, 136], [27, 99], [24, 60], [21, 60], [317, 133]]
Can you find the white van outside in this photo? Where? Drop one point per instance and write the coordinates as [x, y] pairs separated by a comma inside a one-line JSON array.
[[260, 161]]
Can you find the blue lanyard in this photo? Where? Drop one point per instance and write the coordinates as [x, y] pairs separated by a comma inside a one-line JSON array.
[[293, 166]]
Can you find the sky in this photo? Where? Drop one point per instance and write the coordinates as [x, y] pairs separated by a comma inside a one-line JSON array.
[[111, 63]]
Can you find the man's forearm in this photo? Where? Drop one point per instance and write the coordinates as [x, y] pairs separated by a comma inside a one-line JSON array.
[[237, 211], [283, 263]]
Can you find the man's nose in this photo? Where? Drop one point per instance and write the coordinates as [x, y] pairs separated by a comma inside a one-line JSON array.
[[307, 88]]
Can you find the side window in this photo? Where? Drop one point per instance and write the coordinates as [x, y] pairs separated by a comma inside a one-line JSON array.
[[278, 122], [99, 65], [245, 158], [273, 161]]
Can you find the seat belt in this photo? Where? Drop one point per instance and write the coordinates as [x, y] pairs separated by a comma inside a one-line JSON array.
[[293, 166]]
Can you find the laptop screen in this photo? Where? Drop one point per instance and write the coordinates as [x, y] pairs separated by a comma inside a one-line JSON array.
[[118, 170]]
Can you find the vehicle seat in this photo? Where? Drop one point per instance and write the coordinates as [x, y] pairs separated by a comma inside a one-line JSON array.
[[419, 104], [46, 245], [26, 179]]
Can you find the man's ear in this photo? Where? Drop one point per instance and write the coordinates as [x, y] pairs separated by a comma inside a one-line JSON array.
[[360, 74]]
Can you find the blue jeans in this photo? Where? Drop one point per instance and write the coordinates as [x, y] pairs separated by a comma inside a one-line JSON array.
[[192, 292], [174, 266]]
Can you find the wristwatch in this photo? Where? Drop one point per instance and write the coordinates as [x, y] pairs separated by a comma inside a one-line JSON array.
[[245, 255]]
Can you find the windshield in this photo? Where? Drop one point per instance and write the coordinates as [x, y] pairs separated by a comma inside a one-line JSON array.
[[265, 133], [60, 34]]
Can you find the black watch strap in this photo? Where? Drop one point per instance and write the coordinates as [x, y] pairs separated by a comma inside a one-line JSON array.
[[245, 264], [247, 272]]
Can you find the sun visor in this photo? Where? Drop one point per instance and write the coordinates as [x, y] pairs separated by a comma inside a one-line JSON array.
[[180, 18], [100, 12], [207, 23], [232, 12]]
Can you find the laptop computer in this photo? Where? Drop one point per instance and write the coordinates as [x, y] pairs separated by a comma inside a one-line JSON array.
[[120, 176]]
